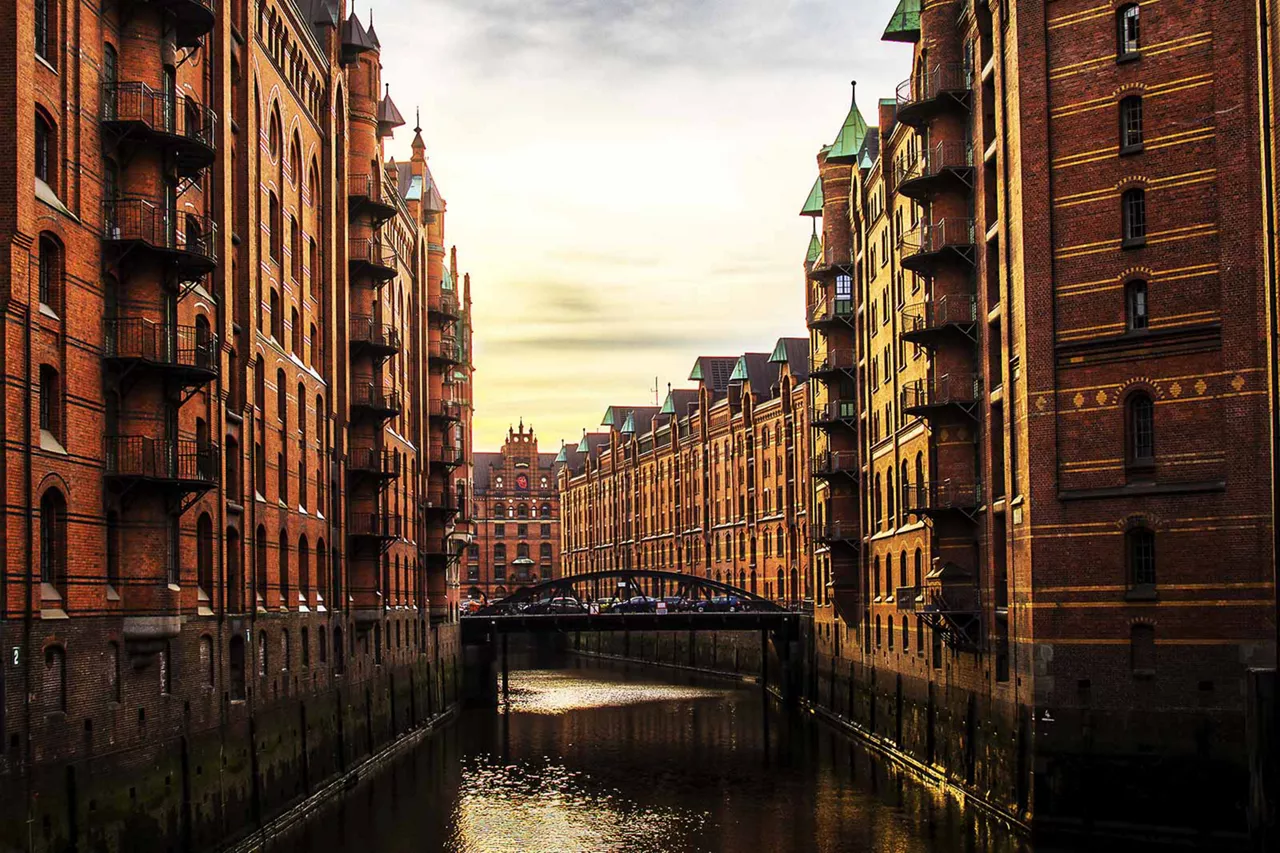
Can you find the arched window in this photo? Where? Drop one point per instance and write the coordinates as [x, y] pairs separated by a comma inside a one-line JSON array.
[[50, 273], [1129, 32], [888, 497], [260, 566], [875, 577], [1140, 428], [545, 511], [322, 586], [1133, 206], [1140, 555], [276, 225], [1131, 124], [544, 552], [46, 152], [902, 568], [1135, 306], [522, 511], [51, 402], [277, 316], [918, 574], [204, 557], [283, 548], [877, 511], [304, 570], [53, 687], [295, 157], [53, 543], [234, 595]]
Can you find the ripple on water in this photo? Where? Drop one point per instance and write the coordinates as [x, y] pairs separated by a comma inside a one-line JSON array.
[[547, 808]]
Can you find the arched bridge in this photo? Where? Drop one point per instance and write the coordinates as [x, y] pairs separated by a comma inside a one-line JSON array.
[[627, 600]]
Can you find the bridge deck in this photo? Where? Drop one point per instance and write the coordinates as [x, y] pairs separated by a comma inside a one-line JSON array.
[[479, 629]]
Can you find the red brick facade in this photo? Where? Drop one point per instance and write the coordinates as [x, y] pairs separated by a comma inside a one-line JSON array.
[[1056, 319], [238, 389], [517, 519], [714, 482]]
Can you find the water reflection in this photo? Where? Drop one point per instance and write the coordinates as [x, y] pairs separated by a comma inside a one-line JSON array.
[[594, 758]]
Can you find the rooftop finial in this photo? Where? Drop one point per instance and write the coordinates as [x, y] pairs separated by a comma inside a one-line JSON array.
[[417, 119], [853, 84]]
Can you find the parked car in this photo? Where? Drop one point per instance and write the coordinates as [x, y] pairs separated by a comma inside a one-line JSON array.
[[604, 605], [636, 604], [721, 604], [562, 604], [678, 604]]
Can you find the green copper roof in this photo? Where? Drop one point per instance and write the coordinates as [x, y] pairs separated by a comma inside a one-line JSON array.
[[813, 204], [629, 425], [905, 23], [582, 445], [610, 417], [848, 144], [446, 283], [696, 374], [779, 354], [815, 250], [739, 371], [563, 455], [668, 405]]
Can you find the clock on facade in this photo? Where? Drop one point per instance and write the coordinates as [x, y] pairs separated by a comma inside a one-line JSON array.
[[522, 482]]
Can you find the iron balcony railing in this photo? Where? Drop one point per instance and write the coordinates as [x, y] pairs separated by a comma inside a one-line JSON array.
[[840, 531], [828, 310], [949, 310], [835, 462], [139, 220], [949, 389], [165, 344], [369, 332], [445, 349], [446, 409], [947, 156], [380, 525], [370, 395], [445, 303], [160, 112], [446, 454], [374, 253], [906, 597], [143, 457], [368, 188], [443, 499], [930, 84], [950, 494], [929, 238], [837, 411], [831, 361], [373, 460]]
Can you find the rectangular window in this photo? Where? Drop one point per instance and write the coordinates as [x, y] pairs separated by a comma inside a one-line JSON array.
[[499, 531], [1131, 124], [1130, 31]]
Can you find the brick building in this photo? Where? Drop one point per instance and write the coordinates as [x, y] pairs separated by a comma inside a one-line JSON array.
[[713, 482], [516, 513], [1044, 402], [237, 373]]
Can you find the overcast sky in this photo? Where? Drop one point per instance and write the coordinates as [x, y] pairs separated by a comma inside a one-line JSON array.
[[624, 178]]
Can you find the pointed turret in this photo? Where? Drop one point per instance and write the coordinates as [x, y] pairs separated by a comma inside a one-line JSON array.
[[389, 117], [418, 146], [815, 252], [848, 145], [355, 39], [904, 25], [813, 204]]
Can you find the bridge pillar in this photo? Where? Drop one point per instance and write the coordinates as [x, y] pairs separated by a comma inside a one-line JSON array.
[[479, 675]]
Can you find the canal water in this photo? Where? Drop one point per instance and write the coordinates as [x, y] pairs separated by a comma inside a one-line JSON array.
[[598, 757]]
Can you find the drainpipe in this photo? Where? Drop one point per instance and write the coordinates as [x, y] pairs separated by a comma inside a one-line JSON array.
[[1271, 262], [28, 561]]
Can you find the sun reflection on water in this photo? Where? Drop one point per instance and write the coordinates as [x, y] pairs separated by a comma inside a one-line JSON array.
[[558, 692]]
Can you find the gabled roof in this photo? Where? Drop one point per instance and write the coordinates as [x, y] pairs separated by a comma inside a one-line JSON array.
[[678, 402], [904, 24], [713, 371], [404, 178], [848, 144], [813, 204], [483, 462], [754, 367], [793, 352]]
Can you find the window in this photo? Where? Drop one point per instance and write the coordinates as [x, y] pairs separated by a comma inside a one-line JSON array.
[[113, 549], [295, 332], [1135, 299], [1142, 649], [53, 689], [1130, 41], [545, 531], [277, 317], [295, 250], [284, 568], [499, 531], [1134, 213], [50, 273], [277, 226], [51, 401], [45, 154], [1131, 125], [204, 557], [1140, 412], [1140, 548], [53, 542], [44, 19]]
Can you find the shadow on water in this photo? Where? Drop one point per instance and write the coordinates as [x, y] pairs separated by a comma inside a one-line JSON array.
[[595, 757]]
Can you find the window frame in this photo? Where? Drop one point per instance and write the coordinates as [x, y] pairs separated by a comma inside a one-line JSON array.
[[1140, 440], [1137, 307], [1133, 218], [1128, 44], [1132, 136]]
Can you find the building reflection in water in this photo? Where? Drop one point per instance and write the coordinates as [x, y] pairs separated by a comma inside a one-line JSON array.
[[596, 759]]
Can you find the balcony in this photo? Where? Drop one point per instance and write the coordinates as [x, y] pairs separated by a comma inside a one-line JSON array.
[[367, 195], [947, 86], [931, 500], [192, 19], [834, 464], [840, 413], [372, 463], [378, 528], [373, 338], [947, 166], [443, 501], [448, 455], [928, 323], [177, 465], [179, 124], [907, 598], [829, 312], [366, 256], [445, 410], [444, 351], [446, 305], [186, 242], [940, 395], [368, 398], [188, 354], [950, 603], [831, 363], [932, 244], [838, 533]]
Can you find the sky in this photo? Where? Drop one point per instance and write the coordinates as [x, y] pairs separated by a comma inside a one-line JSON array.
[[624, 179]]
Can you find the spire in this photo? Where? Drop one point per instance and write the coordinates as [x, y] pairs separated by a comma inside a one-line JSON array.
[[453, 262], [373, 37], [813, 204], [815, 251], [466, 289], [849, 140]]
